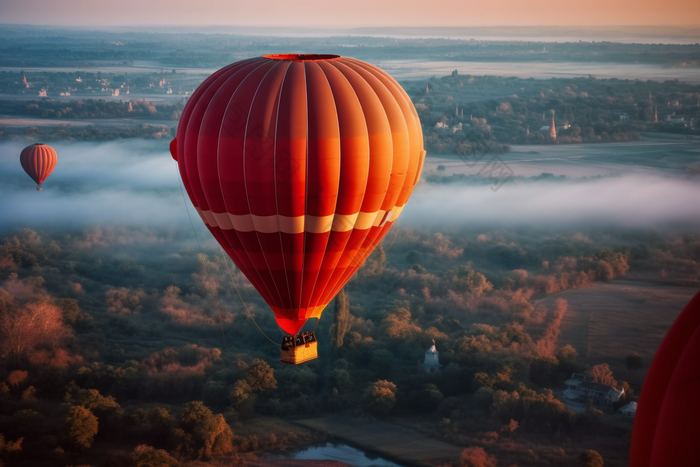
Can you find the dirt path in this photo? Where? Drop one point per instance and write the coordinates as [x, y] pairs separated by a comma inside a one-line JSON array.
[[396, 443]]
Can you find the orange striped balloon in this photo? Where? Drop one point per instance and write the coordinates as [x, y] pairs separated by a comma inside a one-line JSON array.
[[38, 160], [299, 165]]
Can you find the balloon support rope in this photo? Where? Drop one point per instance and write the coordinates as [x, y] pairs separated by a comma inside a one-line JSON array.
[[250, 316], [395, 236], [204, 263]]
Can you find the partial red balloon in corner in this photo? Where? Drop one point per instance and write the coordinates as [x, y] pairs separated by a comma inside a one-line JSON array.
[[666, 428]]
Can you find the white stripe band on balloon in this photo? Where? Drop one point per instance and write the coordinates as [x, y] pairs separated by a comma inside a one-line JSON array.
[[299, 224]]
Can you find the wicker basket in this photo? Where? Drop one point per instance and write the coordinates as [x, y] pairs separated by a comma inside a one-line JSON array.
[[300, 354]]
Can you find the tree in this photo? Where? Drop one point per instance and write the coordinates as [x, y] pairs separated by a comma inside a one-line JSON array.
[[73, 316], [567, 356], [629, 392], [89, 398], [70, 310], [471, 281], [243, 398], [209, 433], [260, 376], [427, 399], [340, 379], [592, 413], [509, 428], [16, 377], [476, 457], [376, 263], [602, 374], [604, 271], [626, 398], [10, 446], [380, 397], [633, 363], [591, 458], [79, 429], [399, 325], [106, 407], [148, 456], [24, 329], [382, 363], [341, 319], [29, 394], [542, 371], [534, 411], [299, 381]]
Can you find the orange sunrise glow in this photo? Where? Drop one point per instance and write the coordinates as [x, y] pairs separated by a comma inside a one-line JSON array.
[[353, 14]]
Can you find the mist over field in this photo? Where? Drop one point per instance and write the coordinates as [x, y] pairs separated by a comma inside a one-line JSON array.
[[135, 183], [131, 182], [646, 201]]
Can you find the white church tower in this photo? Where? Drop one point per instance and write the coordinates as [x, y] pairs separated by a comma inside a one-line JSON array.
[[432, 363]]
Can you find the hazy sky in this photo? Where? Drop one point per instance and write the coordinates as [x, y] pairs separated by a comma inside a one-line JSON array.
[[351, 13]]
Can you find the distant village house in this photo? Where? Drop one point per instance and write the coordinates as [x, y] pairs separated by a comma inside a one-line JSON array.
[[581, 388], [628, 410]]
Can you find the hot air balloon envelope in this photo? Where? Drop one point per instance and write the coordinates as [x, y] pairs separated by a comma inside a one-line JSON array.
[[299, 165], [38, 160]]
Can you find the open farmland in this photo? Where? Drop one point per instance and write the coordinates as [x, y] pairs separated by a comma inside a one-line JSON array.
[[607, 322]]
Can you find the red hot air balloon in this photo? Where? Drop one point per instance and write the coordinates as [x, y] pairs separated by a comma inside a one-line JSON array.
[[173, 149], [666, 428], [299, 165], [38, 160]]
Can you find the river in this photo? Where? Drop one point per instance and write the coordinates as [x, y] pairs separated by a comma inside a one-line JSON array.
[[342, 453]]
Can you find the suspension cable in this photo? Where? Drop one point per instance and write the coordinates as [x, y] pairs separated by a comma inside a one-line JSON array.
[[395, 236], [204, 258], [250, 316]]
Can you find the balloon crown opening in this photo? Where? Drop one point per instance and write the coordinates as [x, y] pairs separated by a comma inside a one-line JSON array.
[[302, 57]]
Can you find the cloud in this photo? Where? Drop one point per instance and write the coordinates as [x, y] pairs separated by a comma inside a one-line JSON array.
[[135, 183], [131, 182], [629, 200]]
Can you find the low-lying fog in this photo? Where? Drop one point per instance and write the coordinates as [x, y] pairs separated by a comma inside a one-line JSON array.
[[120, 182], [134, 182]]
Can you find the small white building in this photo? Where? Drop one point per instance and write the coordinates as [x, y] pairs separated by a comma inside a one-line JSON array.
[[628, 410], [581, 388], [432, 363]]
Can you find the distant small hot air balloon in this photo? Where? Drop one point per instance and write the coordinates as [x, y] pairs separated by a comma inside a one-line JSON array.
[[38, 160], [299, 165], [173, 149]]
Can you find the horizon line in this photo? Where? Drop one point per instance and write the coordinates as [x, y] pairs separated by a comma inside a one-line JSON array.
[[336, 27]]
